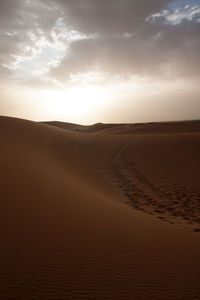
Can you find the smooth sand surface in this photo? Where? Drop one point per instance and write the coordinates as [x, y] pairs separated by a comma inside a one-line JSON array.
[[99, 212]]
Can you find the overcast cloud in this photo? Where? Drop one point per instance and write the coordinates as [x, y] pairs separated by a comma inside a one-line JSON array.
[[118, 37]]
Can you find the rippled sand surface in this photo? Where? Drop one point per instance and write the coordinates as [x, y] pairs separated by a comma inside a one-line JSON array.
[[99, 212]]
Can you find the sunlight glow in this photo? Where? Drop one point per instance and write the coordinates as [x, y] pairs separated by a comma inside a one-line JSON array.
[[73, 102], [135, 100]]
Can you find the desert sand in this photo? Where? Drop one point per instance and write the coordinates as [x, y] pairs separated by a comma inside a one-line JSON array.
[[108, 211]]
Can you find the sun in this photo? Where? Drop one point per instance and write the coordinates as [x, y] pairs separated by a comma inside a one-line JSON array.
[[76, 102]]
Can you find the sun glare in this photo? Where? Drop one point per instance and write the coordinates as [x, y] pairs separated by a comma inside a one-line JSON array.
[[73, 102]]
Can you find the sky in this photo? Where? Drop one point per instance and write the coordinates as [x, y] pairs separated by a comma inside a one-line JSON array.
[[89, 61]]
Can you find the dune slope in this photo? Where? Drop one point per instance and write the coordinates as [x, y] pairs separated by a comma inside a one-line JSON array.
[[82, 213]]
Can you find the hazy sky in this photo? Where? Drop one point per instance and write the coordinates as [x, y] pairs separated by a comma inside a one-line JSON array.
[[89, 61]]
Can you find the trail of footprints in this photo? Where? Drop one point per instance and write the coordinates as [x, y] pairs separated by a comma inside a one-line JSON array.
[[174, 204]]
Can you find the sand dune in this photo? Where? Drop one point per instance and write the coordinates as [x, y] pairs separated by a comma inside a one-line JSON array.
[[140, 128], [99, 212]]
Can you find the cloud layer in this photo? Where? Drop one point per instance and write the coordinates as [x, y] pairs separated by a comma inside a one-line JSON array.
[[115, 37]]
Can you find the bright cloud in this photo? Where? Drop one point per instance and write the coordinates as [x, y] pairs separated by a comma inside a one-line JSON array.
[[175, 16]]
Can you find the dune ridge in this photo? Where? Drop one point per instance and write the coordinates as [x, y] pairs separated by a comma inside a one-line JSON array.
[[82, 211], [126, 128]]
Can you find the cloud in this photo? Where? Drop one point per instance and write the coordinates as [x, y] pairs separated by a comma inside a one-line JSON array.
[[175, 16], [24, 25], [57, 40], [113, 16], [154, 52], [128, 40]]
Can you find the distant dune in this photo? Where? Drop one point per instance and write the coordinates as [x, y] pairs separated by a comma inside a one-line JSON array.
[[107, 211], [158, 127]]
